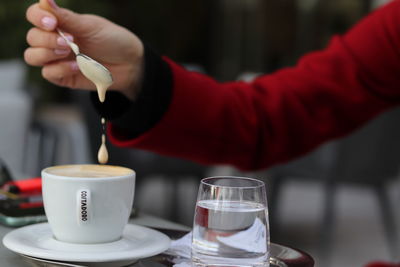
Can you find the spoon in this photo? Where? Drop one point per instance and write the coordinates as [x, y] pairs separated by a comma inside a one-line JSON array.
[[91, 69], [38, 262]]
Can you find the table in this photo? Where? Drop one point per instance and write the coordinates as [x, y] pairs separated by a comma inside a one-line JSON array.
[[291, 257]]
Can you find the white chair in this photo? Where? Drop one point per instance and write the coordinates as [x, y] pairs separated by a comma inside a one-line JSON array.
[[15, 115], [370, 157]]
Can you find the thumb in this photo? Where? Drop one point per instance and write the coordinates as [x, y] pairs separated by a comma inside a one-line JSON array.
[[68, 20]]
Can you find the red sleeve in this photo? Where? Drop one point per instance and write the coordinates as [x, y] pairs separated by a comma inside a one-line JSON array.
[[382, 264], [285, 114]]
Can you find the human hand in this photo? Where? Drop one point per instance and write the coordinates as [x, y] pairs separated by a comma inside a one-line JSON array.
[[112, 45]]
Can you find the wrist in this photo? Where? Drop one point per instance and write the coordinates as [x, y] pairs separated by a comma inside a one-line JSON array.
[[152, 98], [135, 70], [132, 90]]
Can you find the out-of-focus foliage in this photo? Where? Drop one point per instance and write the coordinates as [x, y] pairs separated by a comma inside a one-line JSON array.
[[13, 28], [14, 25]]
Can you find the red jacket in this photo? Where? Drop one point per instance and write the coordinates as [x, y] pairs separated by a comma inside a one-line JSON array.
[[285, 114]]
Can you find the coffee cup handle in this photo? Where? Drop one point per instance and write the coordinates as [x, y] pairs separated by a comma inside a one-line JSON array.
[[84, 206]]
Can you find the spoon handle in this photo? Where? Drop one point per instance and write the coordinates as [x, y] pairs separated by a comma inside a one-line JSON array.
[[44, 4], [73, 46]]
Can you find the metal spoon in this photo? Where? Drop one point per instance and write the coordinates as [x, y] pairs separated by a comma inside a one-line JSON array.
[[91, 69], [37, 262]]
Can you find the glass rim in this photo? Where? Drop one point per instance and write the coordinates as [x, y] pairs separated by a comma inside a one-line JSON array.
[[258, 182]]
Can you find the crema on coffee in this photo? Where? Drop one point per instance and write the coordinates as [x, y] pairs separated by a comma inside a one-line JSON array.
[[88, 171]]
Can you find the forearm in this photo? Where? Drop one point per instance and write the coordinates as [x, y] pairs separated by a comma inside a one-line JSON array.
[[283, 115]]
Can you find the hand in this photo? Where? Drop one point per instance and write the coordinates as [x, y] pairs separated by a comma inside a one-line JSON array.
[[114, 46]]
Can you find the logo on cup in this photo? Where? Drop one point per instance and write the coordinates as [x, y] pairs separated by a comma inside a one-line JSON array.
[[83, 197]]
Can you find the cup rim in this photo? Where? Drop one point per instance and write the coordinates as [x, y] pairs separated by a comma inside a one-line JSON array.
[[44, 171], [258, 184]]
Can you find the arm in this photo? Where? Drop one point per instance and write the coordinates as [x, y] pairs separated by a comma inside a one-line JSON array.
[[285, 114]]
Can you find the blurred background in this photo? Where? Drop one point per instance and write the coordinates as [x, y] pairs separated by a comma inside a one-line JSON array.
[[340, 203]]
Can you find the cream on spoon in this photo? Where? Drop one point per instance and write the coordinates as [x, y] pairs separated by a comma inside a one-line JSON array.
[[91, 69]]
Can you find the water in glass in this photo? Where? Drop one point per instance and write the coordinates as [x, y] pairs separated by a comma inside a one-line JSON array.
[[230, 233]]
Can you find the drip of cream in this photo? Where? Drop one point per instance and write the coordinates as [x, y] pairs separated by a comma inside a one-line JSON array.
[[96, 73], [102, 155]]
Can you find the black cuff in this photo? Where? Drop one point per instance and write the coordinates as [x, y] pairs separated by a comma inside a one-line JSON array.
[[134, 118]]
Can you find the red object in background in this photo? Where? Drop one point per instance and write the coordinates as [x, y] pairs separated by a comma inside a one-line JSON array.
[[201, 216], [383, 264], [26, 187], [30, 205]]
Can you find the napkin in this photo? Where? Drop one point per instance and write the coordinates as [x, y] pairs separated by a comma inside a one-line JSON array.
[[252, 239], [181, 247]]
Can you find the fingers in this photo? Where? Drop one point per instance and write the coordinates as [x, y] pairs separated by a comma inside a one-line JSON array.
[[39, 56], [67, 74], [64, 18], [59, 70], [41, 18], [40, 38]]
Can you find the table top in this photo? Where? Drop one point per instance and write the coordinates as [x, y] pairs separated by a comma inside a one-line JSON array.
[[174, 231]]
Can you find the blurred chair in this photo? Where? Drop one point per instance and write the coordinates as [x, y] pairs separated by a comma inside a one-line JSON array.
[[175, 173], [369, 157], [58, 136], [15, 115], [29, 142]]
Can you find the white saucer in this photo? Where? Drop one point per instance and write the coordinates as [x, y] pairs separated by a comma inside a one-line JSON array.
[[136, 243]]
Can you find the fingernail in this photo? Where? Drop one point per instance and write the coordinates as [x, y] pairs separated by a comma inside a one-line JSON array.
[[62, 42], [74, 66], [61, 51], [49, 23], [52, 3]]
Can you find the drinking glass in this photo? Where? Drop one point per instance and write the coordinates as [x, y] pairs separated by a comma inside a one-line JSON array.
[[231, 223]]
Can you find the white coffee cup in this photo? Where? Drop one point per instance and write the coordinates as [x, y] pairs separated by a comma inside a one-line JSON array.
[[88, 204]]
